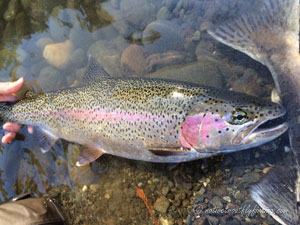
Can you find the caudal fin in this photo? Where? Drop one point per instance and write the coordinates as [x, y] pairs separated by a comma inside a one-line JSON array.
[[276, 194], [258, 33]]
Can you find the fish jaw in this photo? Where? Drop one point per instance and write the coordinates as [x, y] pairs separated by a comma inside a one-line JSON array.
[[261, 136]]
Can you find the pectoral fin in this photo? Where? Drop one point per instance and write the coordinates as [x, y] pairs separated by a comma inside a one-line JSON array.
[[88, 155], [46, 139]]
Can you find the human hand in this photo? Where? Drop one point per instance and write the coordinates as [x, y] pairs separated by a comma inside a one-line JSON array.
[[7, 94]]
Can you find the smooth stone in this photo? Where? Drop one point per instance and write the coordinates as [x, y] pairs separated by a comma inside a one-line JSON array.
[[78, 58], [165, 190], [105, 33], [133, 60], [202, 73], [161, 36], [57, 29], [107, 55], [212, 220], [49, 78], [80, 38], [216, 202], [9, 32], [115, 4], [140, 12], [58, 54], [162, 204], [42, 42], [21, 55], [164, 14], [122, 27], [170, 4], [11, 11], [104, 17], [160, 60], [120, 43]]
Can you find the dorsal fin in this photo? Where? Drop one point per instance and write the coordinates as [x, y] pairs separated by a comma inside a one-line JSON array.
[[94, 72]]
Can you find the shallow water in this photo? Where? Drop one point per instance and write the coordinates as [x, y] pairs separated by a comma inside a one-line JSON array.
[[48, 43]]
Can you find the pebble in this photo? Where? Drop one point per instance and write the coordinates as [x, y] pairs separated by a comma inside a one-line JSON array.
[[266, 170], [165, 191], [162, 204], [216, 202], [251, 177], [212, 220], [227, 198], [95, 188], [58, 54]]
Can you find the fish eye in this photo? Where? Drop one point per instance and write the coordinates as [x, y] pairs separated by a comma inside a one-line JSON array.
[[239, 117]]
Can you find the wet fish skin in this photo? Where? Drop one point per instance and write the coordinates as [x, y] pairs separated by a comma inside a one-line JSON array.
[[138, 118]]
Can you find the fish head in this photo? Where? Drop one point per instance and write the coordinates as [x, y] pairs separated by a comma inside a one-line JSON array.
[[228, 125]]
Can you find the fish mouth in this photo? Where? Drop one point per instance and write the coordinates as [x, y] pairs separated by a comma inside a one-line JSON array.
[[266, 131]]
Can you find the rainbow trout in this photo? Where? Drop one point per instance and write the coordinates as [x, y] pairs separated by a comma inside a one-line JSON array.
[[147, 119], [270, 35]]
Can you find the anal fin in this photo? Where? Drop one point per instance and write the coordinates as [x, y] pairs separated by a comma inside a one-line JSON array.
[[88, 155]]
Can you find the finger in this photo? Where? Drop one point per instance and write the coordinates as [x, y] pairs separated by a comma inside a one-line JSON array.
[[14, 127], [30, 129], [11, 87], [8, 138], [8, 98]]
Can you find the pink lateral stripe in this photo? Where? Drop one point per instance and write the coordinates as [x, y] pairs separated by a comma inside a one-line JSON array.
[[104, 115]]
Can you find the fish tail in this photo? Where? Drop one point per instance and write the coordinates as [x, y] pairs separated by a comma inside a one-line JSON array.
[[272, 27], [276, 194], [269, 35]]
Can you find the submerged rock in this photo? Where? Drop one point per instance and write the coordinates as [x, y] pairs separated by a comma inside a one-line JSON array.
[[162, 204], [22, 25], [162, 35], [49, 78], [203, 73], [133, 60], [140, 12], [106, 53], [58, 54], [159, 60], [12, 10]]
